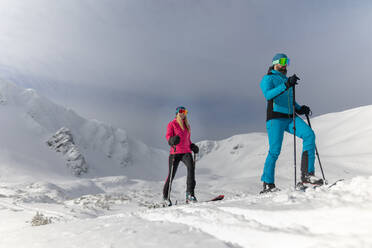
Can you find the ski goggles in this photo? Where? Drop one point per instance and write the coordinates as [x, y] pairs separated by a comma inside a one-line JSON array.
[[183, 111], [281, 61]]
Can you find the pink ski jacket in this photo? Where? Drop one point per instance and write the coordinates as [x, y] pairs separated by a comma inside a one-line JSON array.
[[173, 129]]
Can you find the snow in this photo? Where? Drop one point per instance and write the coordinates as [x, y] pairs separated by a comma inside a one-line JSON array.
[[30, 120], [336, 217], [108, 206]]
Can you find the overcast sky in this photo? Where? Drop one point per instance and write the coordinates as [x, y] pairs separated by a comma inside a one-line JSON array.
[[131, 63]]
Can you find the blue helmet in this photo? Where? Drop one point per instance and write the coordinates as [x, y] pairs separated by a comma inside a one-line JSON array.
[[279, 56]]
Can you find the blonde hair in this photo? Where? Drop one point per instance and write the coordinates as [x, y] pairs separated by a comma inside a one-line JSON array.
[[180, 122]]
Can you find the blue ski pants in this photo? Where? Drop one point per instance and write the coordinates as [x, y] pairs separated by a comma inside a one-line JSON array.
[[275, 130]]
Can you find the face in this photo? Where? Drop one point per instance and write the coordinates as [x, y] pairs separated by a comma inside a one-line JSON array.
[[182, 115], [281, 68]]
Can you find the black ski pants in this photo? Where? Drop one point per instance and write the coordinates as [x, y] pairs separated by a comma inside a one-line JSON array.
[[175, 159]]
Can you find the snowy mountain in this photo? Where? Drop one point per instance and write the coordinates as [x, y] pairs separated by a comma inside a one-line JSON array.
[[113, 211], [342, 140], [29, 122]]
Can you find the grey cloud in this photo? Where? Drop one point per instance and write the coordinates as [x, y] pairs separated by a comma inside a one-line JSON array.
[[127, 61]]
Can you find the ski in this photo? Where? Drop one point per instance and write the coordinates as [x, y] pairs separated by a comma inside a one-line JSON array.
[[336, 182], [217, 198], [303, 186], [164, 205], [267, 191]]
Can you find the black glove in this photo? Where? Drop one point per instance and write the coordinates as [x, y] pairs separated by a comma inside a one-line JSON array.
[[194, 148], [304, 110], [292, 80], [174, 140]]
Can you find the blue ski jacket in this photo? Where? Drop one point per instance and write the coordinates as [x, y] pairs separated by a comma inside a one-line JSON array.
[[279, 98]]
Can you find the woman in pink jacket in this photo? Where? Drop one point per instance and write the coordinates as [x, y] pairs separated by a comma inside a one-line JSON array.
[[178, 137]]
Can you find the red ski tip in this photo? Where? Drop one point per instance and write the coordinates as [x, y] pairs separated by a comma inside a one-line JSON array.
[[220, 197]]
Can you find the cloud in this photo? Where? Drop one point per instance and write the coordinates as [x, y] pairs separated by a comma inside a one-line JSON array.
[[126, 62]]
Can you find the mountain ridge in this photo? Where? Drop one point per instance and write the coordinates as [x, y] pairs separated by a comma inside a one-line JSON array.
[[106, 149]]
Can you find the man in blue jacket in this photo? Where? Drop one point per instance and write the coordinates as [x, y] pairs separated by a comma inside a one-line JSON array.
[[278, 91]]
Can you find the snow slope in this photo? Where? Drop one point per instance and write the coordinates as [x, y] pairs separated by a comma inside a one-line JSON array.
[[28, 121], [113, 211], [342, 139], [339, 217]]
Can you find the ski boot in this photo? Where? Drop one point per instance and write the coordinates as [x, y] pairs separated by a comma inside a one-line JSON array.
[[310, 178], [166, 202], [190, 198], [269, 187]]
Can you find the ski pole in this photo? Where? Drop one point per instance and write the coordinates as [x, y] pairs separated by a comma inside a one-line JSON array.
[[294, 134], [171, 174], [317, 153]]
